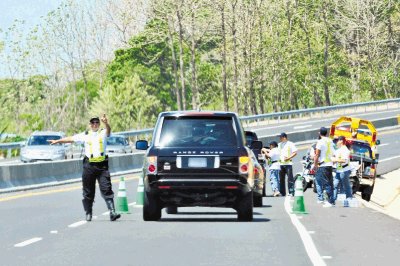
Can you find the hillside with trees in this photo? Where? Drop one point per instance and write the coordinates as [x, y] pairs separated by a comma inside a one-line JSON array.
[[135, 58]]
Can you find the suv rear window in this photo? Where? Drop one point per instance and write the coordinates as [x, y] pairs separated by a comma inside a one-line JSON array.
[[197, 132]]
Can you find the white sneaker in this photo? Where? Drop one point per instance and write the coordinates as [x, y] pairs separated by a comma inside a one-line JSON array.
[[328, 205]]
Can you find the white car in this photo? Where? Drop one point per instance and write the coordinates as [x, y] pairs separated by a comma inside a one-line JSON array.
[[118, 144], [37, 147]]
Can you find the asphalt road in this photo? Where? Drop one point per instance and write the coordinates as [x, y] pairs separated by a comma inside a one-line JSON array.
[[195, 236], [46, 227]]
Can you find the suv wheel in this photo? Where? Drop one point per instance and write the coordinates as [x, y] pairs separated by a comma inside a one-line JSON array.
[[258, 201], [151, 208], [171, 210], [244, 207]]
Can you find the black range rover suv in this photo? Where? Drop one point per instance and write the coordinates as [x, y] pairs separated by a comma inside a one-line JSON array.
[[197, 159]]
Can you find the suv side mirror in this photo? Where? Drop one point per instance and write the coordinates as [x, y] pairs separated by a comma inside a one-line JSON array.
[[256, 144], [142, 145]]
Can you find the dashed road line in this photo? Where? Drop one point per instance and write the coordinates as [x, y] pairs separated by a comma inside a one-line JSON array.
[[28, 242], [326, 257], [390, 158], [105, 213], [74, 225], [131, 204], [54, 232], [308, 243]]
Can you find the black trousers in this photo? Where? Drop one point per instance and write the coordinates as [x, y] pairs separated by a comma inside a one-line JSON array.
[[91, 173], [286, 170]]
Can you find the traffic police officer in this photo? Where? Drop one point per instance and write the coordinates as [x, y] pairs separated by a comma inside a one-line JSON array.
[[95, 165]]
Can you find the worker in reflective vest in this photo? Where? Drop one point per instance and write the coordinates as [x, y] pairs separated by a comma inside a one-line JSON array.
[[323, 166], [95, 165], [287, 151]]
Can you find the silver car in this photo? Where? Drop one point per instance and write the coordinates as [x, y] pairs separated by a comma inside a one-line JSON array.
[[118, 144], [37, 147]]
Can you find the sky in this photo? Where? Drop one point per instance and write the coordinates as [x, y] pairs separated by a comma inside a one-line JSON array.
[[28, 10]]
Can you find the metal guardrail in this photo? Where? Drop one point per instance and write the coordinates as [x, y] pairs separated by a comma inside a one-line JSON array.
[[299, 112], [246, 119]]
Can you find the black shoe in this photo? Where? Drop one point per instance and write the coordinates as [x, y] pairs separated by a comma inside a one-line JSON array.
[[114, 216], [88, 216]]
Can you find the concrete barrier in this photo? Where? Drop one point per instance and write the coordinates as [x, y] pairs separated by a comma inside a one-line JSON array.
[[58, 171], [312, 134]]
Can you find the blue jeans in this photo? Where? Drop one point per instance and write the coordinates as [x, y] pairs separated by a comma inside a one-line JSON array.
[[342, 183], [274, 178], [324, 180]]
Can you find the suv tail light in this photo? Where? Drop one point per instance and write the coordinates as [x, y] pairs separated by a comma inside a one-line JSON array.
[[152, 165], [244, 164]]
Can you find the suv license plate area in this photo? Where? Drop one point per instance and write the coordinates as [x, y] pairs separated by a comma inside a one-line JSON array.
[[197, 162]]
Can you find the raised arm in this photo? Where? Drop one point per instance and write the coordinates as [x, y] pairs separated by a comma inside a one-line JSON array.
[[63, 140], [105, 121]]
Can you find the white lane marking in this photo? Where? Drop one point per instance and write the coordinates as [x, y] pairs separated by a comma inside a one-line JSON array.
[[390, 158], [384, 144], [138, 206], [327, 257], [77, 224], [94, 217], [309, 245], [54, 232], [28, 242], [300, 127], [105, 213], [300, 217], [131, 204], [311, 232]]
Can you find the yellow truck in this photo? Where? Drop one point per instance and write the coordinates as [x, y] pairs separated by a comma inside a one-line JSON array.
[[361, 136]]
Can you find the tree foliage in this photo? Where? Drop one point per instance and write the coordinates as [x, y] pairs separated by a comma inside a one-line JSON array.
[[133, 59]]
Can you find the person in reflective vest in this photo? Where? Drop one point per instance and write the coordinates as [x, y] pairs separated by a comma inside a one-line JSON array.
[[95, 165], [287, 151], [323, 167], [341, 181], [273, 156]]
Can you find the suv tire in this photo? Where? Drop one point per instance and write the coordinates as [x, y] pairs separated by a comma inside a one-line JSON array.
[[258, 201], [151, 208], [244, 207]]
